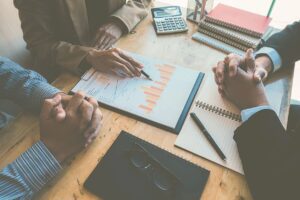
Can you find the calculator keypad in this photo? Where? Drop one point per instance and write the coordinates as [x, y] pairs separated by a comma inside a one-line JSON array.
[[170, 25]]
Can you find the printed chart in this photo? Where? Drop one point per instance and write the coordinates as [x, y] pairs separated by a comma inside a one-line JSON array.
[[154, 92], [161, 100]]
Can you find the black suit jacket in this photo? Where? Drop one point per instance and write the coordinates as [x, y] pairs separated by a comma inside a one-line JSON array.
[[270, 155], [287, 43]]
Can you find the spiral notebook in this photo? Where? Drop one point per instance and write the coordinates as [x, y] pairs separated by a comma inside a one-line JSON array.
[[235, 38], [216, 44], [239, 20], [225, 40], [221, 118]]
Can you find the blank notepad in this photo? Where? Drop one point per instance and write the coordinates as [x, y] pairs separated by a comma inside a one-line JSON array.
[[221, 118]]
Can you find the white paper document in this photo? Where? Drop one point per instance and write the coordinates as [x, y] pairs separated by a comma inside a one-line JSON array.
[[161, 100]]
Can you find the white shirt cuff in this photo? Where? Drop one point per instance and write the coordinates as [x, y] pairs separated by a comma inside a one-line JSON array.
[[247, 113], [272, 54]]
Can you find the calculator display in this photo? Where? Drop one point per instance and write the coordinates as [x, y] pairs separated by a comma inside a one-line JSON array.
[[167, 11]]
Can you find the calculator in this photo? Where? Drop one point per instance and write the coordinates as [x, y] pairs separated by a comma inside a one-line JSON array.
[[168, 20]]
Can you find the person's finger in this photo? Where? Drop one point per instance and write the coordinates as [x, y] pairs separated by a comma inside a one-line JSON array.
[[220, 70], [119, 72], [95, 40], [214, 69], [232, 67], [240, 62], [86, 109], [95, 123], [58, 113], [100, 42], [227, 59], [94, 128], [94, 102], [215, 76], [249, 60], [132, 69], [120, 66], [65, 100], [131, 60], [105, 43], [75, 102], [221, 92], [93, 135], [108, 46], [91, 138], [109, 42], [260, 75], [48, 105], [122, 58]]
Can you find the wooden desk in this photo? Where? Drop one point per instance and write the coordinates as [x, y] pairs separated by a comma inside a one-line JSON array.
[[179, 49]]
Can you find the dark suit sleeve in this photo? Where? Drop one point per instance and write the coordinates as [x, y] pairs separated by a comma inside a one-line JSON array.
[[270, 163], [39, 32], [287, 43]]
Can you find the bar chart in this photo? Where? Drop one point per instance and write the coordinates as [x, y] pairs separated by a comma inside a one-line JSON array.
[[153, 93]]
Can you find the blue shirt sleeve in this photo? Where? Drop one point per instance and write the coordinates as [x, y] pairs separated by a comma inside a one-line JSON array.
[[272, 54], [23, 178], [247, 113], [25, 87], [34, 168]]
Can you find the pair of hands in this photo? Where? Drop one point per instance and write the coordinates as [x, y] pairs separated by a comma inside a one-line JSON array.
[[104, 58], [240, 79], [69, 123]]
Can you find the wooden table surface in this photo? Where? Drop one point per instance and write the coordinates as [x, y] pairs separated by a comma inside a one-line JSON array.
[[179, 49]]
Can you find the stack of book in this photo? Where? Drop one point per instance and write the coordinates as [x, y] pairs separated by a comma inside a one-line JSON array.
[[232, 30]]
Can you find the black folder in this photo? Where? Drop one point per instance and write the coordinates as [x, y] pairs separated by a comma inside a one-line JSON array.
[[114, 178]]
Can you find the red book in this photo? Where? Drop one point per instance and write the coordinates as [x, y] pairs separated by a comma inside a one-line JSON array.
[[240, 20]]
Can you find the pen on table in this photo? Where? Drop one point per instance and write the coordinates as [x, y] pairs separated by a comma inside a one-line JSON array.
[[146, 75], [208, 136]]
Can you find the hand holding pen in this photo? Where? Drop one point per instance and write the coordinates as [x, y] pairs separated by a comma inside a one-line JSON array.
[[114, 61]]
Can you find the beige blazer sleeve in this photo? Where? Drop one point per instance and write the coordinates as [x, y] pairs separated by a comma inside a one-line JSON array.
[[39, 34], [132, 12]]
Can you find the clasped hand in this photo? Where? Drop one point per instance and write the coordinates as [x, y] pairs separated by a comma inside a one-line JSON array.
[[69, 123], [240, 80]]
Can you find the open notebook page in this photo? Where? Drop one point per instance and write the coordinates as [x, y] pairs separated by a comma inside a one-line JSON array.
[[219, 123]]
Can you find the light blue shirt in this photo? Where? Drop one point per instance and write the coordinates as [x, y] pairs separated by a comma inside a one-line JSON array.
[[24, 177], [272, 54], [247, 113], [276, 61]]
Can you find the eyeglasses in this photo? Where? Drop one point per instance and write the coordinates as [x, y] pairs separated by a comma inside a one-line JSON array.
[[160, 176]]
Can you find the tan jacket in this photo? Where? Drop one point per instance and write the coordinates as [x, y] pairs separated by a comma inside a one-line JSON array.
[[57, 31]]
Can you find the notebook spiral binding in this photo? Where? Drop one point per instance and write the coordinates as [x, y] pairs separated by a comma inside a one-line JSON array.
[[214, 43], [218, 111], [228, 35], [230, 42], [234, 27]]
